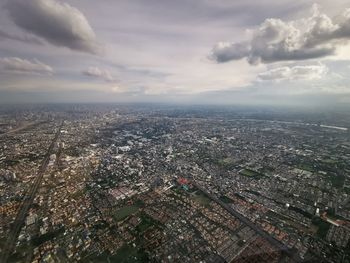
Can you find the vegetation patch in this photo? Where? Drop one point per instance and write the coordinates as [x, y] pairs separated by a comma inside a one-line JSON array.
[[330, 161], [347, 190], [128, 254], [125, 211], [322, 225], [336, 180], [146, 222], [251, 173], [201, 199], [226, 163], [306, 167], [226, 199]]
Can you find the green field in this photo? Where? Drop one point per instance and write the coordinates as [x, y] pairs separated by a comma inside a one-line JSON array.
[[125, 211], [251, 173], [306, 167], [227, 163], [330, 161]]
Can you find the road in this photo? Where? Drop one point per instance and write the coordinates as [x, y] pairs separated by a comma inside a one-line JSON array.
[[26, 203], [283, 248]]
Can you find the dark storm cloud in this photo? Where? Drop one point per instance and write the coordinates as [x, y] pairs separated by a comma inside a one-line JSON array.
[[58, 23], [276, 40], [21, 38]]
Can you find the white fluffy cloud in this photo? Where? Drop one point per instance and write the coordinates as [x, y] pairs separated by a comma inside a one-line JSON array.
[[309, 72], [276, 40], [58, 23], [99, 73], [18, 65]]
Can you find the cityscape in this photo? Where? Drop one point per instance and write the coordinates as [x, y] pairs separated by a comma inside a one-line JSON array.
[[146, 183], [174, 131]]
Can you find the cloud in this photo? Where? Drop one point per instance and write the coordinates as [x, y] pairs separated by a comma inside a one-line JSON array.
[[223, 51], [276, 40], [58, 23], [99, 73], [18, 65], [310, 72], [25, 38]]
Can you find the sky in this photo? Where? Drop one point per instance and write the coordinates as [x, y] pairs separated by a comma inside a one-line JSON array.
[[185, 51]]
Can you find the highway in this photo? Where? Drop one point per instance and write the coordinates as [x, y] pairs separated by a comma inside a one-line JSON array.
[[283, 248], [10, 244]]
